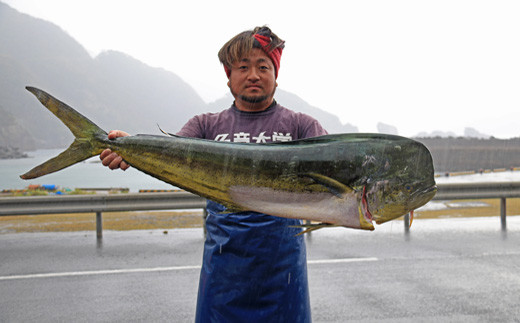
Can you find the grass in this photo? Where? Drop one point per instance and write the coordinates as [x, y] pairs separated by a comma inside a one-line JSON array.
[[138, 220], [490, 208], [164, 220]]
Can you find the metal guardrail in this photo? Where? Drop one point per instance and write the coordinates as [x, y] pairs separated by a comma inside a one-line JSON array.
[[469, 191], [99, 203], [33, 205], [183, 200], [473, 191]]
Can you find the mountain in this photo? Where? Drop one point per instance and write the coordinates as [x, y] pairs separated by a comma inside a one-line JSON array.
[[328, 120], [387, 129], [473, 133], [113, 89], [10, 128]]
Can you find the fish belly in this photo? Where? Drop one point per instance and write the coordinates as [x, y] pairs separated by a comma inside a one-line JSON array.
[[313, 206]]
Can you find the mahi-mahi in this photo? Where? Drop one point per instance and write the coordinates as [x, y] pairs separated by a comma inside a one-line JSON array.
[[347, 180]]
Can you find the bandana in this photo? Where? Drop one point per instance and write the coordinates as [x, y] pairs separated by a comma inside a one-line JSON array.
[[275, 55]]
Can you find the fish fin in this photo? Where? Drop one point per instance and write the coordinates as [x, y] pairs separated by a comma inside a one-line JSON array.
[[77, 152], [166, 133], [333, 186], [231, 210], [312, 227], [79, 125], [86, 144]]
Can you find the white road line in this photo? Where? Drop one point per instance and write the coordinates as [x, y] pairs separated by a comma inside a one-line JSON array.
[[98, 272], [340, 261], [156, 269]]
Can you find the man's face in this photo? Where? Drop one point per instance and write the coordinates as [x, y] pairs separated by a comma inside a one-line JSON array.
[[252, 81]]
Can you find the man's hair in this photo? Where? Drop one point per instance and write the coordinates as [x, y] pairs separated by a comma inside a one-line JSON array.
[[240, 45]]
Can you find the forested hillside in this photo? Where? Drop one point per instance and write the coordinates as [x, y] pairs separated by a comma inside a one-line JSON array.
[[113, 89]]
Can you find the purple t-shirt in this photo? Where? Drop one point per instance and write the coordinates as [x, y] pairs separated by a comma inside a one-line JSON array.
[[276, 123]]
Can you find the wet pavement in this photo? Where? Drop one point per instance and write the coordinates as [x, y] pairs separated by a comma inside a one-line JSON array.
[[456, 270]]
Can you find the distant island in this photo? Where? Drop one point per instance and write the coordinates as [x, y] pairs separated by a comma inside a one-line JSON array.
[[11, 153]]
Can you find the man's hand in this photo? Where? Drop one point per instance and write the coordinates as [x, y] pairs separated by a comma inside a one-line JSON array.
[[111, 159]]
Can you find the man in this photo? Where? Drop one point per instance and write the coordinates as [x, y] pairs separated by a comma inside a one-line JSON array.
[[254, 267]]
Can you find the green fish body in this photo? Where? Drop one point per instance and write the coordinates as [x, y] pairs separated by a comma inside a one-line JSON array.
[[348, 180]]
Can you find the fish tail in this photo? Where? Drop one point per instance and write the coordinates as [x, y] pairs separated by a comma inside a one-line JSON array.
[[88, 136]]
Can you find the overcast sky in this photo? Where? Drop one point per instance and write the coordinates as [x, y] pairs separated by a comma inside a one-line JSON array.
[[416, 65]]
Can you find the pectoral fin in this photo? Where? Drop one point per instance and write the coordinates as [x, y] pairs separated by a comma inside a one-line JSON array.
[[231, 208], [333, 186], [312, 227]]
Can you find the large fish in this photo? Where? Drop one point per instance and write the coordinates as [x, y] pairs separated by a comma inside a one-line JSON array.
[[348, 180]]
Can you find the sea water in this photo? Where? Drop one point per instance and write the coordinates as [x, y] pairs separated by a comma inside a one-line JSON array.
[[87, 174]]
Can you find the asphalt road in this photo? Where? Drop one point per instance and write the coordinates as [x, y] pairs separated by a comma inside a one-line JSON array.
[[457, 270]]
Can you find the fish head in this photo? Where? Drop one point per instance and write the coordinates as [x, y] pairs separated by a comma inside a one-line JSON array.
[[390, 199], [401, 182]]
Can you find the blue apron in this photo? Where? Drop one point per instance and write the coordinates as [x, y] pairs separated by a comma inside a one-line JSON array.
[[254, 269]]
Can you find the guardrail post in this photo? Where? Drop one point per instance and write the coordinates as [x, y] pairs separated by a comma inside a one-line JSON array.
[[503, 213], [204, 217], [99, 225], [407, 223]]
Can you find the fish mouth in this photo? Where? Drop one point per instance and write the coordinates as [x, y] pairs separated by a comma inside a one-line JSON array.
[[432, 188], [366, 217], [419, 198], [426, 195]]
